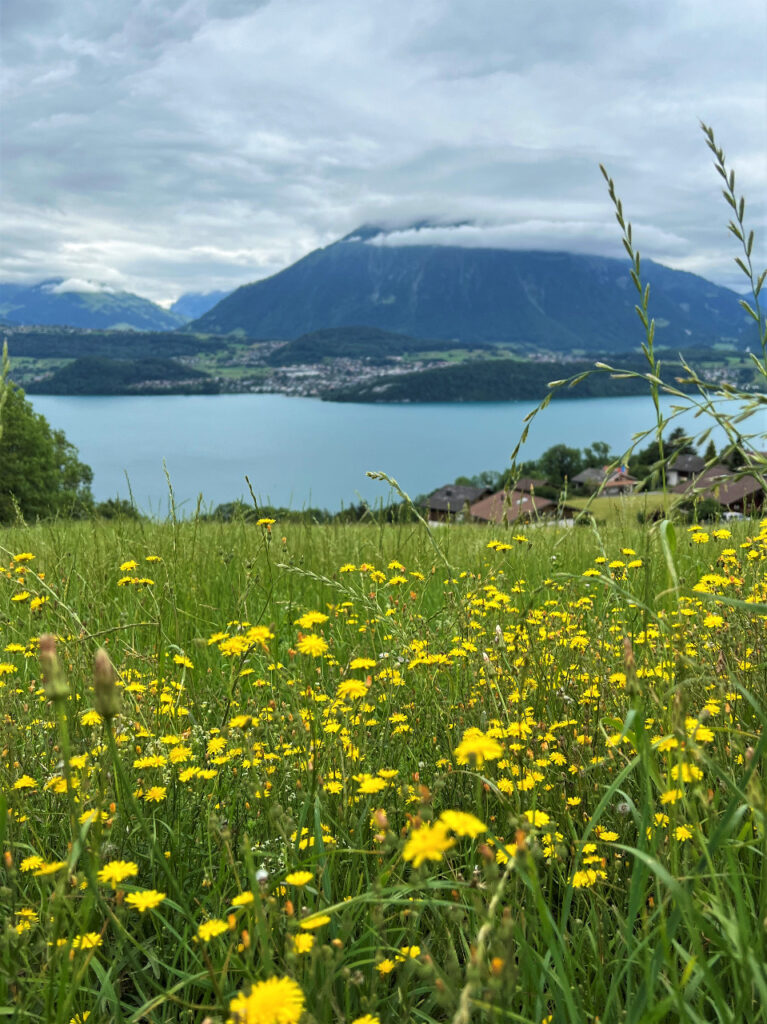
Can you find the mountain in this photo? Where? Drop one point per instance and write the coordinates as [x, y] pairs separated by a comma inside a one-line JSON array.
[[556, 301], [74, 303], [191, 305]]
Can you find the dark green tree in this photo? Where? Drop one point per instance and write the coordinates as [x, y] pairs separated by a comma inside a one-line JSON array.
[[597, 454], [40, 473], [559, 462]]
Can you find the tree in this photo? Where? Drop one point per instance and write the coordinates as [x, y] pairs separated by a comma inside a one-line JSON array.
[[559, 462], [40, 473], [597, 455]]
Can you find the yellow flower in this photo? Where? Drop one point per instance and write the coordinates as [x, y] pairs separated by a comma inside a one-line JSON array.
[[22, 596], [117, 871], [463, 824], [385, 966], [476, 746], [682, 833], [409, 952], [25, 782], [537, 818], [429, 842], [302, 943], [49, 869], [671, 796], [313, 645], [243, 899], [585, 879], [311, 619], [299, 877], [90, 940], [369, 1018], [315, 921], [25, 556], [276, 1001], [265, 521], [351, 689], [156, 794], [146, 900], [31, 863], [129, 566], [181, 659], [210, 929], [605, 834]]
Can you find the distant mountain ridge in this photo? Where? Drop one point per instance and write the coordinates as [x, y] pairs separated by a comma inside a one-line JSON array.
[[557, 301], [191, 305], [59, 302]]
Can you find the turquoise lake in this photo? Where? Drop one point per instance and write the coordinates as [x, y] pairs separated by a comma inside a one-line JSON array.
[[304, 452]]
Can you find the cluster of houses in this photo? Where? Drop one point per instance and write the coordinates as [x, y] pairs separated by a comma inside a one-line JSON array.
[[738, 493]]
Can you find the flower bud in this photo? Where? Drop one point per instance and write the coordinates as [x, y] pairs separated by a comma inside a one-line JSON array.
[[54, 681], [106, 696]]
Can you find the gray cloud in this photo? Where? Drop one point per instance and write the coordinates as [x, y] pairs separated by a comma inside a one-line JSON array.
[[172, 145]]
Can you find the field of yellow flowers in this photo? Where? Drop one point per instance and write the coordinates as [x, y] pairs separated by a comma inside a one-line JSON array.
[[265, 774]]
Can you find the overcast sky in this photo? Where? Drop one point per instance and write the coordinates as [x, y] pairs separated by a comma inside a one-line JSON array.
[[164, 146]]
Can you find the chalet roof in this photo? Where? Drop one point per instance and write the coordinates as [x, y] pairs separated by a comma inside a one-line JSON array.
[[528, 483], [452, 497], [713, 476], [721, 484], [731, 492], [591, 475], [604, 475], [687, 464], [507, 506]]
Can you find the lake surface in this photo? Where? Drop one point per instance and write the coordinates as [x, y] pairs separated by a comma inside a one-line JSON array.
[[304, 452]]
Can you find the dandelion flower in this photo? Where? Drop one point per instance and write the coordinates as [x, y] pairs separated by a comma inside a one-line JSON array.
[[313, 645], [537, 818], [477, 746], [369, 1018], [146, 900], [310, 619], [117, 871], [299, 877], [463, 824], [302, 943], [385, 966], [49, 869], [243, 899], [275, 1001], [315, 921], [31, 863], [210, 929], [429, 842], [156, 794], [25, 782]]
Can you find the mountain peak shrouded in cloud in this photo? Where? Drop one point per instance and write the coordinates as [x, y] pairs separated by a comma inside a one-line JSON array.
[[76, 284], [477, 294], [187, 145]]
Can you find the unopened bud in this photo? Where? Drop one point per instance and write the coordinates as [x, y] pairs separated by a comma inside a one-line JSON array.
[[54, 680], [106, 696]]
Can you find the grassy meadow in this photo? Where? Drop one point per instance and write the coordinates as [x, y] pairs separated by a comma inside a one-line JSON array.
[[367, 774]]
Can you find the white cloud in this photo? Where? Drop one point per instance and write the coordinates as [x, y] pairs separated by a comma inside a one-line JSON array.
[[77, 284], [174, 145]]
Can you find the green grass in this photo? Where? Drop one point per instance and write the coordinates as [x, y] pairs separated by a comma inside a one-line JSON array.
[[624, 508], [577, 894]]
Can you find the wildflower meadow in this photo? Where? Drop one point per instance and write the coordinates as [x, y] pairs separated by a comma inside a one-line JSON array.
[[286, 773]]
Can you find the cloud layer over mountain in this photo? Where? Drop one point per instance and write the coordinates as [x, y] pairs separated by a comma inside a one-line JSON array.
[[170, 145]]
